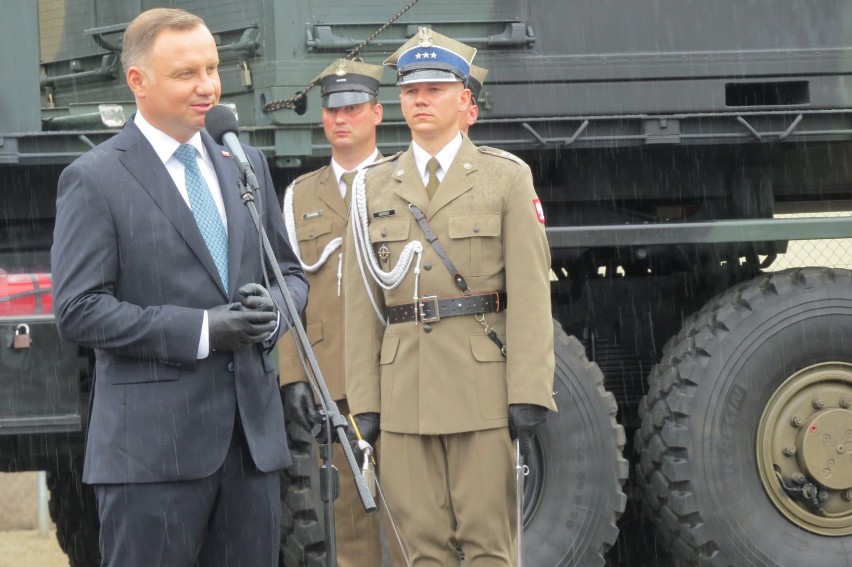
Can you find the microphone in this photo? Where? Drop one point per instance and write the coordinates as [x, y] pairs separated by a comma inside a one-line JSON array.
[[221, 124]]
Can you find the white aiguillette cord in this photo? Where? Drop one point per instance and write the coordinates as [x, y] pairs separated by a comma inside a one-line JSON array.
[[290, 224], [366, 255]]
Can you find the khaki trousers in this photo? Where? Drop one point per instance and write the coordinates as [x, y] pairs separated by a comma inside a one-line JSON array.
[[358, 533], [451, 491]]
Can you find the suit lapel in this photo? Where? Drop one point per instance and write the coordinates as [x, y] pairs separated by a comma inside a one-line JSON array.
[[145, 166], [229, 184], [408, 183], [457, 180], [328, 190]]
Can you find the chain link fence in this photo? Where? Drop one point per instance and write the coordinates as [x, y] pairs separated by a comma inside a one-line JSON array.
[[832, 253], [19, 501], [27, 536]]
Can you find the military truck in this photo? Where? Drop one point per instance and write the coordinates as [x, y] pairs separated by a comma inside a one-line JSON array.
[[666, 137]]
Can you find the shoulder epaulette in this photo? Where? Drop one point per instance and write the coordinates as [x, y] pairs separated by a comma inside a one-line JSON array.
[[308, 175], [385, 159], [501, 153]]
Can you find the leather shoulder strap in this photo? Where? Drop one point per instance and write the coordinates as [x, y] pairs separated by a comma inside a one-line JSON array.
[[439, 249]]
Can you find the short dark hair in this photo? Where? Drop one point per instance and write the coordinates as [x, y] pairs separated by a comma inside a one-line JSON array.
[[142, 31]]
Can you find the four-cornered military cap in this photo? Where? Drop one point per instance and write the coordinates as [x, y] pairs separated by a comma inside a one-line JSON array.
[[346, 82], [431, 57], [475, 80]]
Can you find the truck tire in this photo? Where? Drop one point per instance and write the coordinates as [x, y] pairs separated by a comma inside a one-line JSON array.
[[573, 493], [302, 533], [726, 420], [74, 511]]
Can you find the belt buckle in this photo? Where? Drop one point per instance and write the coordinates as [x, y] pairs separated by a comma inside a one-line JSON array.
[[421, 308]]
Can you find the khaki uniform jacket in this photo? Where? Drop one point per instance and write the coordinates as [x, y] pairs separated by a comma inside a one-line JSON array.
[[449, 376], [320, 214]]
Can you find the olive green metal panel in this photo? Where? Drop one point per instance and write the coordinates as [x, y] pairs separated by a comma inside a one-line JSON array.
[[700, 233], [67, 26], [18, 68], [563, 75], [551, 59], [60, 24]]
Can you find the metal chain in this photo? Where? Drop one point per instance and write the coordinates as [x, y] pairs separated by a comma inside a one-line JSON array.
[[291, 102]]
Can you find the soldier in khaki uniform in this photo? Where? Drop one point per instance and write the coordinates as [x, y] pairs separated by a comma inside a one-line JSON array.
[[469, 115], [452, 375], [315, 214]]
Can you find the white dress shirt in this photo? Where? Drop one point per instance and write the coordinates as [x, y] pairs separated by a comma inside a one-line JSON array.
[[339, 171], [445, 157], [165, 146]]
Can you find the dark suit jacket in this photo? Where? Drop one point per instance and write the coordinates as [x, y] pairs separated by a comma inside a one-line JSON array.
[[132, 277]]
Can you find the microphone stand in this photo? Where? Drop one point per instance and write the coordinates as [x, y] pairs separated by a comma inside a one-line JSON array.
[[332, 419]]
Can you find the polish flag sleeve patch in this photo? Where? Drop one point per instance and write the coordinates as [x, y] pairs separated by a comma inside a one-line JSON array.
[[539, 211]]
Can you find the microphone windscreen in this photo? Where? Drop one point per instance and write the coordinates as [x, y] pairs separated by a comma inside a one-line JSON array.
[[219, 120]]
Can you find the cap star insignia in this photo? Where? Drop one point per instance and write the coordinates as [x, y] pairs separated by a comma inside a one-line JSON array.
[[433, 55], [424, 37], [418, 55]]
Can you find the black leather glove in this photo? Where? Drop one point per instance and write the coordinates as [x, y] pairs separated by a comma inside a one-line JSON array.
[[232, 328], [256, 298], [525, 420], [299, 404], [368, 426]]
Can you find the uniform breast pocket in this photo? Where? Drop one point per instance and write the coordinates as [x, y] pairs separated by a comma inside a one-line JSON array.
[[313, 236], [389, 236], [477, 243]]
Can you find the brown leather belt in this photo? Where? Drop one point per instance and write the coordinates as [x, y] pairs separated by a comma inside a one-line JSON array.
[[430, 309]]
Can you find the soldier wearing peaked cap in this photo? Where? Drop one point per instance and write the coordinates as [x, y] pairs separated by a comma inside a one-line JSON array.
[[455, 373], [469, 115], [315, 214], [346, 82], [475, 81]]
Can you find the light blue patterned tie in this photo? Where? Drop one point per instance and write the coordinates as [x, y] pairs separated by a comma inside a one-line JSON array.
[[205, 211]]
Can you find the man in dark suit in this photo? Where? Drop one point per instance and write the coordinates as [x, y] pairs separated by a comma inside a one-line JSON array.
[[157, 267]]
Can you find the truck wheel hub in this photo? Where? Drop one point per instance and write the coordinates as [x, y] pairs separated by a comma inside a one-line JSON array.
[[804, 449], [824, 454]]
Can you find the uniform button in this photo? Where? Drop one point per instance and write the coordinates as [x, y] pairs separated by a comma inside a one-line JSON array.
[[467, 165], [476, 229], [427, 328], [230, 367], [427, 266], [384, 233], [400, 172], [311, 235]]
